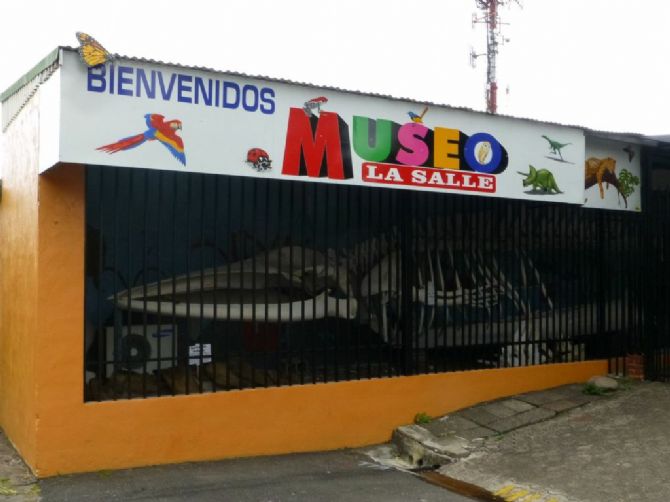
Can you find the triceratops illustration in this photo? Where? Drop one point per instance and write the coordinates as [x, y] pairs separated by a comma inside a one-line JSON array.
[[540, 179]]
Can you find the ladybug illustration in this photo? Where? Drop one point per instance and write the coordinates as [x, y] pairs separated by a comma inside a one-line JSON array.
[[259, 159]]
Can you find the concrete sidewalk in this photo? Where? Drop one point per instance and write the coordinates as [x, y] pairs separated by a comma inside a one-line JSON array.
[[556, 445]]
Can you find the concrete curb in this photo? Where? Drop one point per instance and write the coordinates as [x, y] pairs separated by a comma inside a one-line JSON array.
[[455, 436]]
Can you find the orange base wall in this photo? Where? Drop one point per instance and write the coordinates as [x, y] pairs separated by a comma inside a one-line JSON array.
[[85, 437], [67, 435]]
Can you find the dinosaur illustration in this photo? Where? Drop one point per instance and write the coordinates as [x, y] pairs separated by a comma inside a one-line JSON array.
[[540, 179], [555, 146], [599, 171]]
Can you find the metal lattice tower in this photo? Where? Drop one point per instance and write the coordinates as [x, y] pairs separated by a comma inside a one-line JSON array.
[[493, 23]]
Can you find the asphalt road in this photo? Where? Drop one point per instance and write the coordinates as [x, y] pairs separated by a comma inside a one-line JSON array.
[[343, 475]]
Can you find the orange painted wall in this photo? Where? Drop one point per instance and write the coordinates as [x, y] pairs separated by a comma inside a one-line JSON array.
[[18, 281], [75, 436]]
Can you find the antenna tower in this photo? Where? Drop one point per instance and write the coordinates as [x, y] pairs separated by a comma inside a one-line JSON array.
[[494, 38]]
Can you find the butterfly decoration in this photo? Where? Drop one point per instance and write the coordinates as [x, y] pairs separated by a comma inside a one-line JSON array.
[[91, 52]]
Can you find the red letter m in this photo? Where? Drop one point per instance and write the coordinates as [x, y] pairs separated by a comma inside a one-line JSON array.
[[317, 154]]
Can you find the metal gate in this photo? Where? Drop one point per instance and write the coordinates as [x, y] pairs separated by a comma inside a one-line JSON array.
[[203, 283], [657, 271]]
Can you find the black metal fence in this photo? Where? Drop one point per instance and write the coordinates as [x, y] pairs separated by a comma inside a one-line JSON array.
[[200, 283], [657, 299]]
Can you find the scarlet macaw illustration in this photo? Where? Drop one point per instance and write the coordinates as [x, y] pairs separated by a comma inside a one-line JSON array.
[[158, 128], [314, 104]]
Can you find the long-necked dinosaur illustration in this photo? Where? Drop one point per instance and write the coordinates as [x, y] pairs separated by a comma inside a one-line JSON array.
[[555, 146]]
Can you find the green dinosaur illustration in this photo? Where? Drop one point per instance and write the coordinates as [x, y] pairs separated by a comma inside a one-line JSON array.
[[540, 179], [555, 146]]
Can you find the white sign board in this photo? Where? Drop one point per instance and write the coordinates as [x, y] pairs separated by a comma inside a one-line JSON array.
[[612, 178], [195, 355], [137, 114]]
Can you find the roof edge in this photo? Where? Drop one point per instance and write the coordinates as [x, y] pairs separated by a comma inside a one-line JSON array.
[[47, 61], [54, 55]]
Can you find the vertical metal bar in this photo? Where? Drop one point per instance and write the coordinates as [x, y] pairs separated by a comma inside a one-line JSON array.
[[407, 237], [303, 242], [424, 253], [314, 188], [359, 262], [439, 319], [376, 258], [159, 246], [229, 298], [602, 271], [215, 294], [189, 296], [201, 294], [116, 314], [459, 294], [254, 252], [254, 322], [173, 247], [145, 209], [351, 274], [269, 334], [339, 192], [283, 354], [291, 274], [324, 224], [445, 348], [393, 254], [98, 172], [130, 275]]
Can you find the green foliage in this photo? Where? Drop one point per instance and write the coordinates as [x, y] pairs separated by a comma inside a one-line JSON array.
[[627, 182], [422, 418], [625, 383], [593, 390], [6, 487]]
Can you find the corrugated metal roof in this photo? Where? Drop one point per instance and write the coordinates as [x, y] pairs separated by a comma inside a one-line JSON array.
[[18, 94], [619, 136], [30, 76]]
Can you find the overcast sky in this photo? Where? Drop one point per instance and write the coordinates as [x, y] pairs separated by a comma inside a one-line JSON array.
[[598, 63]]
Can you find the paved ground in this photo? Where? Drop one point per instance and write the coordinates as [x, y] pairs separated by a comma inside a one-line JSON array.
[[331, 476], [615, 448], [16, 481]]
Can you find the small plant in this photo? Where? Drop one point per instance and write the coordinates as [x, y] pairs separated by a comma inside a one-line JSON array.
[[593, 390], [625, 383], [627, 182], [6, 488], [422, 418]]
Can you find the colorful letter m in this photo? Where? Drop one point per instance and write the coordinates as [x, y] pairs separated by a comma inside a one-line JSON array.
[[317, 147]]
